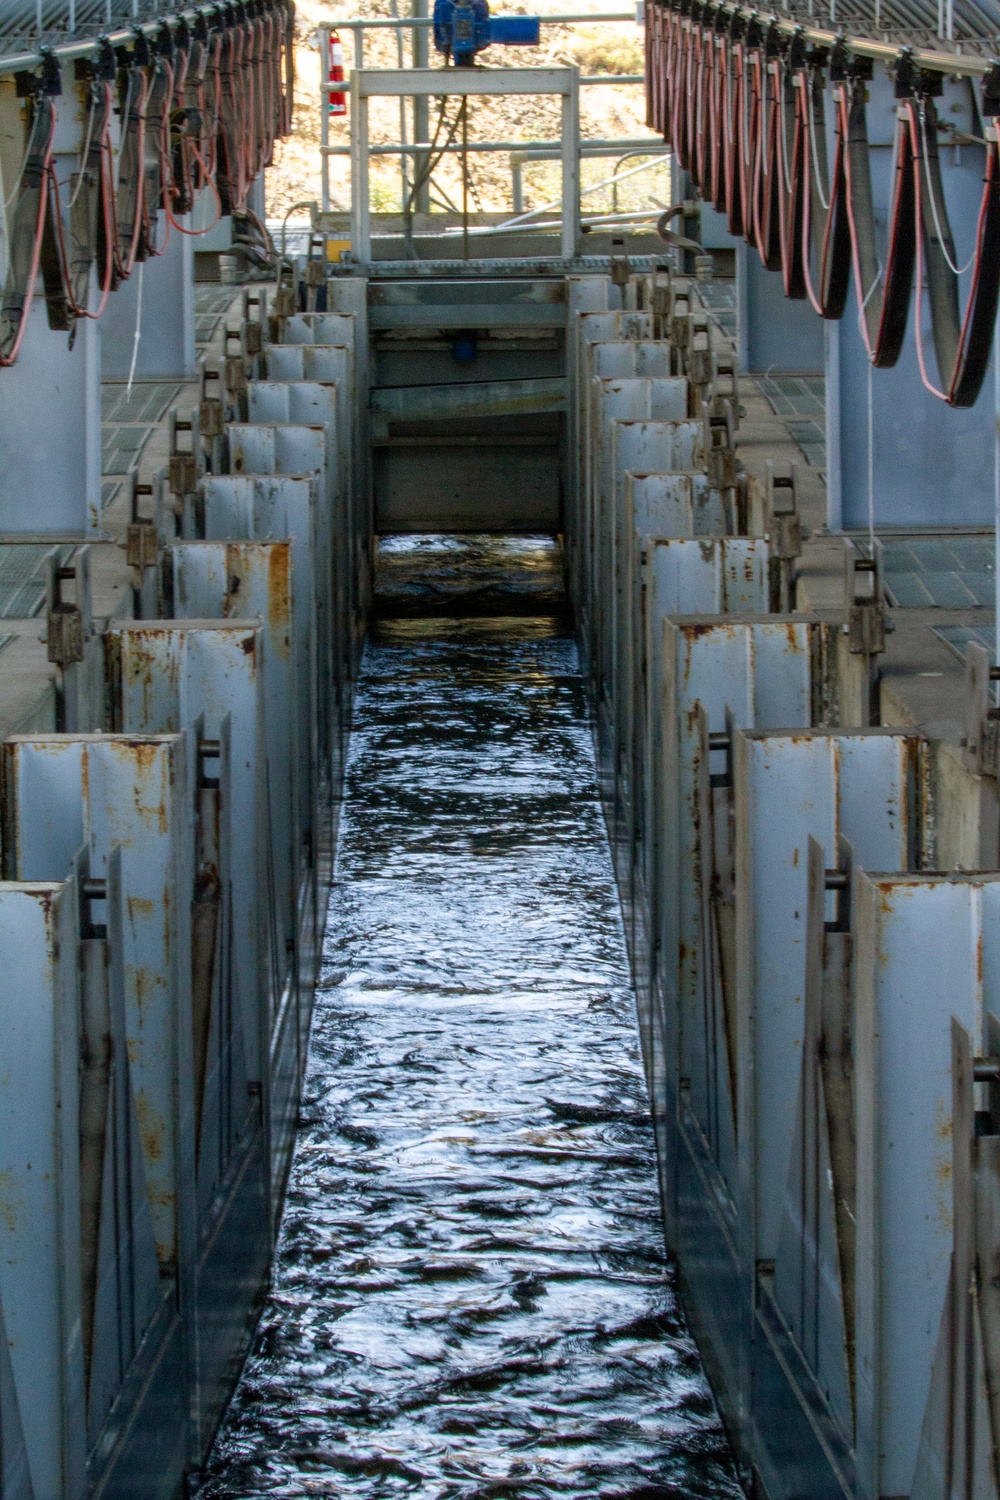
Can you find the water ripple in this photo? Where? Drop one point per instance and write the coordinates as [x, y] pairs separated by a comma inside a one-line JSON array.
[[470, 1297]]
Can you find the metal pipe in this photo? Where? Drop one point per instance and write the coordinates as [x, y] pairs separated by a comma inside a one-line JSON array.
[[598, 148], [363, 23], [420, 37], [17, 62], [594, 221], [603, 79]]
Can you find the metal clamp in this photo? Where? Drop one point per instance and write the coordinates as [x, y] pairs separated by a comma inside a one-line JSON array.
[[719, 437], [64, 627], [211, 413], [866, 625], [184, 464], [981, 740], [784, 529], [141, 549], [620, 268]]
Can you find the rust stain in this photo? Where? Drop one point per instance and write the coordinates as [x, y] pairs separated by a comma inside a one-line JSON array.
[[139, 906], [85, 777], [11, 1201], [944, 1207], [279, 593], [152, 1129]]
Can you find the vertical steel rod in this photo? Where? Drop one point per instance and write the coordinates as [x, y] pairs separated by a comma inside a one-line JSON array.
[[360, 214], [571, 169], [465, 177], [421, 106], [324, 112]]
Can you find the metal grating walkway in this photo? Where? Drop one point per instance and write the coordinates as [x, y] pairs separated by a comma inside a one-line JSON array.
[[24, 577], [121, 447], [801, 398], [148, 402], [719, 300], [938, 572]]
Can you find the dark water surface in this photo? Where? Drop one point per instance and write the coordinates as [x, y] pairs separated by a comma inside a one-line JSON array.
[[470, 1297]]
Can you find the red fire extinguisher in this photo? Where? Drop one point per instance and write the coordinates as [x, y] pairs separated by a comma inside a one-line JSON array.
[[338, 99]]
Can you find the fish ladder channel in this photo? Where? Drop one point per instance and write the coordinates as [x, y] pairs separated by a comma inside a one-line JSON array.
[[470, 1296]]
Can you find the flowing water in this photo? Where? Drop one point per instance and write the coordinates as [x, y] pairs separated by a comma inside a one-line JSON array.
[[470, 1295]]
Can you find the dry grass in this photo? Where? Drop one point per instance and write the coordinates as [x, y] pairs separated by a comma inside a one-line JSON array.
[[605, 112]]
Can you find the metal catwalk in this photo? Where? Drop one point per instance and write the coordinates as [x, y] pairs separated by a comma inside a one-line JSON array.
[[470, 1295]]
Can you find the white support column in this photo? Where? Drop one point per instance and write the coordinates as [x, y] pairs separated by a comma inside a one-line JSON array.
[[160, 297], [50, 431], [361, 233], [571, 169], [774, 333]]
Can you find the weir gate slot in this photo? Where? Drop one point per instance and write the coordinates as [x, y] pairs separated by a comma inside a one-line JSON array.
[[468, 403]]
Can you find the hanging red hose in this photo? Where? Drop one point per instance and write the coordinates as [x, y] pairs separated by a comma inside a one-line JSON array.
[[27, 227], [962, 342], [131, 179], [883, 292], [156, 160], [91, 212], [201, 114], [826, 236]]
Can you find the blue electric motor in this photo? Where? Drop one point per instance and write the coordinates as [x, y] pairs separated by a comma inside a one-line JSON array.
[[464, 28]]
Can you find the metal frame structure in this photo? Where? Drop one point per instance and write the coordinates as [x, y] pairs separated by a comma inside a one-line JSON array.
[[419, 27], [464, 82]]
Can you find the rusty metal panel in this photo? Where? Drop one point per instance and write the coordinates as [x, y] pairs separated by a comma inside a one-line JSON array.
[[133, 792], [319, 328], [717, 675], [347, 329], [672, 574], [296, 450], [609, 401], [327, 364], [632, 358], [324, 362], [39, 1180], [678, 504], [171, 675], [584, 294], [633, 447], [707, 576], [241, 580], [307, 404], [788, 789], [926, 951], [277, 448], [678, 568], [592, 327], [266, 508]]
